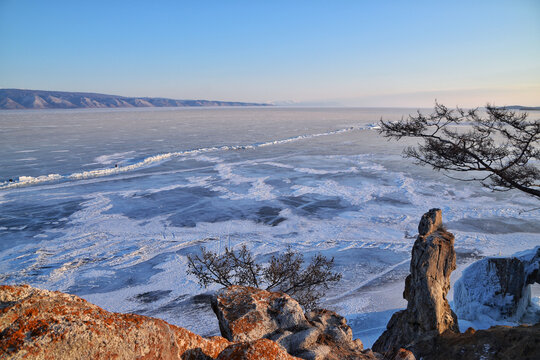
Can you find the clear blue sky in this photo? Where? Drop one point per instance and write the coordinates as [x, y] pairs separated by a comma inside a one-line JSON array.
[[364, 53]]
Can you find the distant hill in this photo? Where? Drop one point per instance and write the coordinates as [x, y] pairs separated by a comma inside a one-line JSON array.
[[42, 99], [519, 107]]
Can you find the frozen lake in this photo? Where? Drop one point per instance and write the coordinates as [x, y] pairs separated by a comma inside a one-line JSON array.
[[110, 202]]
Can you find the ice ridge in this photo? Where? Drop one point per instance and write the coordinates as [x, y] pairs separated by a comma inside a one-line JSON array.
[[156, 159]]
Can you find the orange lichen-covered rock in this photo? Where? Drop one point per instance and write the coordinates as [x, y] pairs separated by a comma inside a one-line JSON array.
[[249, 314], [41, 324], [246, 313], [262, 349]]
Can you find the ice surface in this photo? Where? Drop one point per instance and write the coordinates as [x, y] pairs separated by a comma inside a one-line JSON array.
[[318, 180], [155, 159]]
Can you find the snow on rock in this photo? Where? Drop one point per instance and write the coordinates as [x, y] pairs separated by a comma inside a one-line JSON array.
[[496, 290]]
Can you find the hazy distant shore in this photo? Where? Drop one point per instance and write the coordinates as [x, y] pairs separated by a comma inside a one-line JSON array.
[[15, 99]]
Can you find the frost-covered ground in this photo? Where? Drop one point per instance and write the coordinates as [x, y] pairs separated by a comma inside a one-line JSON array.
[[106, 204]]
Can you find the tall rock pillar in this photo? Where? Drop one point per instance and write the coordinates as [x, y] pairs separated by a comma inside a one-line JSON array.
[[428, 313]]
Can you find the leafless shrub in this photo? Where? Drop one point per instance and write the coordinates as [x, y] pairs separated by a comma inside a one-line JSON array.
[[283, 273]]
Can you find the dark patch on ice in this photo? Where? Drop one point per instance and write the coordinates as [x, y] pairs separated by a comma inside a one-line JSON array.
[[391, 201], [270, 215], [316, 205], [278, 183], [319, 205], [192, 306], [151, 296], [466, 256], [224, 211], [162, 202], [191, 218], [24, 220], [295, 201], [189, 206], [137, 274], [495, 225], [186, 207]]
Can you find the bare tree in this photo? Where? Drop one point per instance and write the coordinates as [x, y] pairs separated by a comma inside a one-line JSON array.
[[502, 144], [283, 273]]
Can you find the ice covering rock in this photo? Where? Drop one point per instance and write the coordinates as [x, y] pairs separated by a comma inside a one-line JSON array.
[[249, 314], [497, 290], [40, 324], [428, 313]]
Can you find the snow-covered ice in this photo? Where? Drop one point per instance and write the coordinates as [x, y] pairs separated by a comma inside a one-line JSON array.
[[318, 180]]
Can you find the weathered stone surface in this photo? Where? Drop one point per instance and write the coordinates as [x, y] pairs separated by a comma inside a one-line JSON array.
[[497, 288], [318, 352], [403, 354], [262, 349], [428, 313], [248, 314], [336, 334], [303, 339], [40, 324], [430, 222]]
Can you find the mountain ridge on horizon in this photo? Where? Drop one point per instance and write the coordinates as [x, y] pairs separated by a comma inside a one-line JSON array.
[[19, 99]]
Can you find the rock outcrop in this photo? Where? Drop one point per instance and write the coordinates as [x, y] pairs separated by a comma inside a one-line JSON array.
[[248, 314], [497, 289], [495, 343], [41, 324], [428, 313]]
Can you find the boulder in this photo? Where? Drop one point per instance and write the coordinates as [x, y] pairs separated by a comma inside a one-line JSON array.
[[248, 314], [403, 354], [335, 333], [497, 289], [428, 313], [41, 324]]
